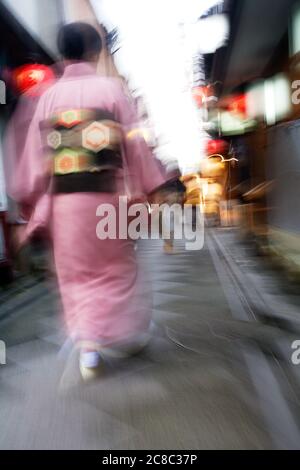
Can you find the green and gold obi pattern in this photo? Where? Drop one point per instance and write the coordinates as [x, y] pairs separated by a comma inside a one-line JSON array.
[[81, 142]]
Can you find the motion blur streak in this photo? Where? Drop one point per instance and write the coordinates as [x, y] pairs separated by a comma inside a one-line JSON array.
[[149, 224]]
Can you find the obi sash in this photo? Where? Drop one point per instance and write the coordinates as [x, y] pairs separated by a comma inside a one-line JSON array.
[[84, 146]]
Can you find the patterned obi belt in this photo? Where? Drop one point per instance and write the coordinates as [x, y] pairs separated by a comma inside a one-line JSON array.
[[84, 147]]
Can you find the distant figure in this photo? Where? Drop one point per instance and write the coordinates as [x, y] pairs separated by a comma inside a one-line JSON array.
[[67, 169], [174, 193]]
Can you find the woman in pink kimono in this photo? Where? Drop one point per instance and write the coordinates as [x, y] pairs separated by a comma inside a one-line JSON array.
[[79, 132]]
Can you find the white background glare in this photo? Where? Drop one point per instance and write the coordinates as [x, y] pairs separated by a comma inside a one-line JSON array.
[[158, 39]]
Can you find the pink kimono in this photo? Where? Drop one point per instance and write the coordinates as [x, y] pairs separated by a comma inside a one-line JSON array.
[[98, 279]]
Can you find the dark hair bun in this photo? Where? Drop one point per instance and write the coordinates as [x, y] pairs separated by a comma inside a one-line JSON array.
[[79, 41]]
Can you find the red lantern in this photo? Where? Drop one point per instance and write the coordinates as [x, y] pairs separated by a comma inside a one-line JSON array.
[[237, 104], [28, 76], [216, 146]]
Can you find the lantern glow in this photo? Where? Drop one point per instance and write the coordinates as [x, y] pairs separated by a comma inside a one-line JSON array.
[[27, 77]]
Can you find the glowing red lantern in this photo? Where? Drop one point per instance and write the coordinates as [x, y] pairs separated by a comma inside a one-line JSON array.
[[237, 104], [27, 77], [217, 146]]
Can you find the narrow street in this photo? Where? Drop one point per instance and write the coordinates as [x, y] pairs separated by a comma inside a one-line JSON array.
[[217, 373]]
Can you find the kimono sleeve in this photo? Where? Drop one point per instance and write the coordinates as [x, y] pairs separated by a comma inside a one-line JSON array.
[[141, 162], [28, 180]]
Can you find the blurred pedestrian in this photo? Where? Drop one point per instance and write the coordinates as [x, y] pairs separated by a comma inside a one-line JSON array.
[[173, 194], [76, 157]]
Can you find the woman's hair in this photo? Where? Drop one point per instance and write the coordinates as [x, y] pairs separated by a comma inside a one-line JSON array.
[[79, 41]]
